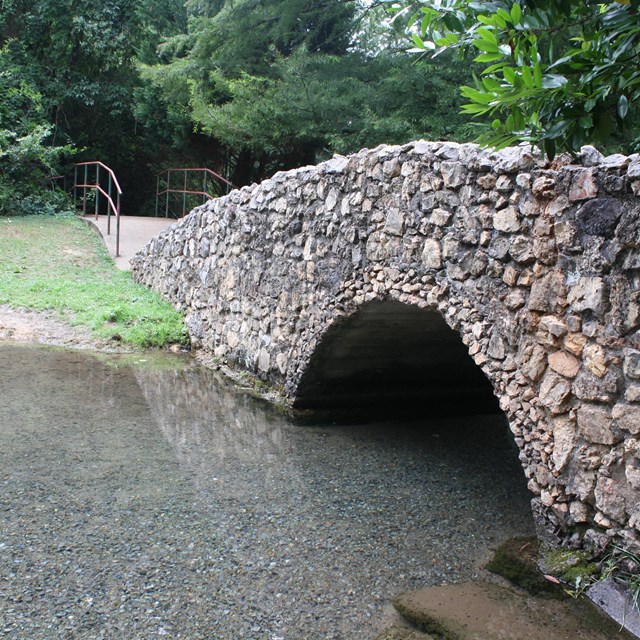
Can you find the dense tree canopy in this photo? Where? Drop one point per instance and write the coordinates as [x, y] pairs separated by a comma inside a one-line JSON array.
[[559, 73], [245, 87], [280, 83]]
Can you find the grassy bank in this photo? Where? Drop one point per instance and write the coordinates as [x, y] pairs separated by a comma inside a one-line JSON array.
[[57, 264]]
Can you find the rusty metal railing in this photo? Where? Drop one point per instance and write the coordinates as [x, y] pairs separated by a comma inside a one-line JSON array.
[[192, 186], [96, 176]]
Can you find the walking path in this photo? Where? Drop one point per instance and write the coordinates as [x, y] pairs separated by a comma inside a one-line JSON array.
[[135, 232]]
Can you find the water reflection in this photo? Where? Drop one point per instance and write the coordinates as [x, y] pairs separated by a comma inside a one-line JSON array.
[[248, 526]]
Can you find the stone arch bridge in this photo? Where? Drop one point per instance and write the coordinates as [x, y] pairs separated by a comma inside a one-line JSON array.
[[432, 269]]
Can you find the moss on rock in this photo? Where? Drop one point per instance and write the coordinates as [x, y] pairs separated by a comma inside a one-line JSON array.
[[569, 565], [517, 560]]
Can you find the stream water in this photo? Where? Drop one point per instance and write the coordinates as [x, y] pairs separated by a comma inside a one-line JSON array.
[[144, 497]]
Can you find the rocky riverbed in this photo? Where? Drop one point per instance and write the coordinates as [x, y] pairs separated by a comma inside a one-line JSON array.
[[144, 499]]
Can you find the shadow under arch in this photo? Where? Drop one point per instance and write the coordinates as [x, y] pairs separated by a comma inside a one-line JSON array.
[[392, 358]]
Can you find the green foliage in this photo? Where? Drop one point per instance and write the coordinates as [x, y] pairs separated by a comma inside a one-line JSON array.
[[27, 158], [300, 89], [556, 73], [52, 263], [312, 106], [245, 87]]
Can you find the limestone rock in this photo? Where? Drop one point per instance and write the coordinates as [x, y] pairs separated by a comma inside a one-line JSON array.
[[609, 500], [588, 294], [453, 174], [595, 424], [553, 325], [583, 185], [588, 387], [394, 222], [565, 364], [632, 364], [555, 393], [579, 512], [627, 417], [595, 360], [548, 294], [575, 343], [506, 220], [632, 394], [544, 187], [432, 254], [632, 473], [564, 433], [496, 347], [521, 250]]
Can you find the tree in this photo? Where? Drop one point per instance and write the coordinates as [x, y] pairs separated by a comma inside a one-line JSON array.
[[300, 89], [27, 157], [557, 73], [82, 58]]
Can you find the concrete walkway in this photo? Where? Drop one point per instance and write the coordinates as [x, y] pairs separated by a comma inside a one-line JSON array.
[[135, 232]]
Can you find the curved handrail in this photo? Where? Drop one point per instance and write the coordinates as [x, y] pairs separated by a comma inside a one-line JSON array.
[[188, 172], [111, 205], [104, 166]]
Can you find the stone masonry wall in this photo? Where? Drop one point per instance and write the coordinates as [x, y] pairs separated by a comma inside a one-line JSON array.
[[537, 267]]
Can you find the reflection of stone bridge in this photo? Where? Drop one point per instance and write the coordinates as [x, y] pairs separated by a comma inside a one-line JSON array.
[[399, 274]]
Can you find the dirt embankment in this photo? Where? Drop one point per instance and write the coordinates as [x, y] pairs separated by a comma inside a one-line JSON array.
[[23, 325]]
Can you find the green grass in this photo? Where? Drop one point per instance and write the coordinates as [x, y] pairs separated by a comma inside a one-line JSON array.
[[58, 264]]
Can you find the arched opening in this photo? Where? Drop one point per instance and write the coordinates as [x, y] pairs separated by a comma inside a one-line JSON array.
[[393, 357]]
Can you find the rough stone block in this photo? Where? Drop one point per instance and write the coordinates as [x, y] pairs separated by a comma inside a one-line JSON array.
[[595, 359], [588, 387], [583, 185], [394, 223], [553, 325], [453, 174], [565, 364], [432, 254], [588, 294], [632, 364], [627, 417], [555, 393], [506, 220], [595, 424], [610, 499], [548, 294], [564, 435]]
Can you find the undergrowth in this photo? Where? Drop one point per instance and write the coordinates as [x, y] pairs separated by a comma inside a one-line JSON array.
[[57, 264]]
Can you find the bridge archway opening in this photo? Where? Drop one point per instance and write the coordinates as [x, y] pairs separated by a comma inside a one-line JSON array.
[[393, 359]]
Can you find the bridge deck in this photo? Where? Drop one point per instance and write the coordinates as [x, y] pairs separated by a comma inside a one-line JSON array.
[[135, 232]]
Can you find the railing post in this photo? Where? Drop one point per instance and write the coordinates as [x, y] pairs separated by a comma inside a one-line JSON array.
[[75, 185], [109, 205], [168, 192], [157, 193], [84, 191], [204, 187], [184, 194], [118, 226], [97, 206]]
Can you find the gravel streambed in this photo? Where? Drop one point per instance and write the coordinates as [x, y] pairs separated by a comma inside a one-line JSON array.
[[146, 501]]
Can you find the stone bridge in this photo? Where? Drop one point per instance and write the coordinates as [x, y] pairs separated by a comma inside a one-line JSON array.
[[440, 275]]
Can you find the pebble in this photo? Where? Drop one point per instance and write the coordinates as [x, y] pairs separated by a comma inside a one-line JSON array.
[[141, 501]]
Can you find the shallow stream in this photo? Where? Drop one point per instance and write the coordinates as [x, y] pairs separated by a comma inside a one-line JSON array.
[[143, 497]]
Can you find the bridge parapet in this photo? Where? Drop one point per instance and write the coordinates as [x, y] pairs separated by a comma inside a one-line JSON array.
[[535, 267]]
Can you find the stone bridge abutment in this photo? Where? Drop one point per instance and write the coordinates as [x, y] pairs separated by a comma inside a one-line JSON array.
[[403, 272]]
